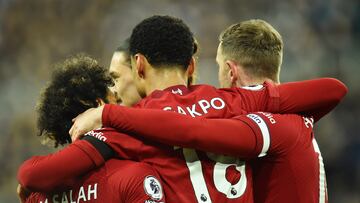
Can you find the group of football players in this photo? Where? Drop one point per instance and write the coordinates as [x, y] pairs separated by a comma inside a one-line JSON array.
[[141, 131]]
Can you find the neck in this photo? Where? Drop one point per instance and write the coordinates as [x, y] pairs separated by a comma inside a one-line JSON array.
[[246, 79], [249, 82], [163, 78]]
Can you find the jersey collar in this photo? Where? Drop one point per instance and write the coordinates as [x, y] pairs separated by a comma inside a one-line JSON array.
[[176, 89]]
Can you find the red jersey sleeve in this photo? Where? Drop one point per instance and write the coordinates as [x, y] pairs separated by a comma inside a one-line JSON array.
[[139, 183], [285, 131], [314, 97], [279, 132], [44, 174], [311, 97], [125, 146], [240, 137]]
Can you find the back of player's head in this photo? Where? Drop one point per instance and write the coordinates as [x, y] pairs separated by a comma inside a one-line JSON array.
[[192, 78], [125, 49], [75, 86], [254, 44], [163, 40]]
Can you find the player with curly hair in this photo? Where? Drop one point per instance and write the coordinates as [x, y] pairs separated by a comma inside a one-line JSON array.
[[161, 49], [249, 54], [77, 84]]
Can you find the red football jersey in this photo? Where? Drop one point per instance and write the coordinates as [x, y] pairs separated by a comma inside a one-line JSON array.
[[117, 181], [206, 177], [290, 162], [291, 168], [190, 175], [35, 173]]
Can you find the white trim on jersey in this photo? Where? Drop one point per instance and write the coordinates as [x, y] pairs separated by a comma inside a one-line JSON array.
[[264, 132], [322, 177], [255, 87]]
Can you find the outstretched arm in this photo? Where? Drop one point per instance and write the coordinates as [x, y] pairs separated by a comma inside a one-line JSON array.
[[311, 97], [53, 171], [315, 97], [240, 137]]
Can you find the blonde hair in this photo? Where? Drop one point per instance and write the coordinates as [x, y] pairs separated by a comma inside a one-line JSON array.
[[255, 45]]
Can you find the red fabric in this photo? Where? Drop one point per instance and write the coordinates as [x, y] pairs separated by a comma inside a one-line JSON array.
[[171, 162], [290, 171], [159, 123], [117, 181], [44, 173], [315, 97], [188, 103], [205, 101]]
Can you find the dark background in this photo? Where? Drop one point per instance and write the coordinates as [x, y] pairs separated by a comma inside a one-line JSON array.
[[321, 40]]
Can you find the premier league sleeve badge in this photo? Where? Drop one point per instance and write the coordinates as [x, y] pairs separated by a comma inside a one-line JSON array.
[[153, 188]]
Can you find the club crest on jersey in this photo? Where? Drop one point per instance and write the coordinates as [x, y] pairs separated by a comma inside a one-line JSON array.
[[153, 188], [309, 122], [178, 91]]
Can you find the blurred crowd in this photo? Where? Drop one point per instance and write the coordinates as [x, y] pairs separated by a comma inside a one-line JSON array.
[[321, 37]]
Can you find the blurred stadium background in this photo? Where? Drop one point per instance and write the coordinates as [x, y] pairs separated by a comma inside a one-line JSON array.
[[322, 38]]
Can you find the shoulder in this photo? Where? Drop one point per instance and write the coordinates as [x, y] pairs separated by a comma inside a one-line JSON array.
[[287, 125], [126, 170], [131, 169], [102, 133], [205, 88], [283, 131], [136, 181], [201, 86], [277, 121]]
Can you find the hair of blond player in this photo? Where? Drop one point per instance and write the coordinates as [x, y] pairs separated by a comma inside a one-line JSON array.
[[255, 45]]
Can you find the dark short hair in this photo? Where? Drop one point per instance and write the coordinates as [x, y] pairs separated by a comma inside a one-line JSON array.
[[124, 48], [163, 40], [75, 86]]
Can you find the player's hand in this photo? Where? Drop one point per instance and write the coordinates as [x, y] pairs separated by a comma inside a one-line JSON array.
[[23, 194], [89, 120]]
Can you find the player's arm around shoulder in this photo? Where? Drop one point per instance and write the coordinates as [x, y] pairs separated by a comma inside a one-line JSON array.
[[139, 182], [285, 131], [122, 145], [279, 132]]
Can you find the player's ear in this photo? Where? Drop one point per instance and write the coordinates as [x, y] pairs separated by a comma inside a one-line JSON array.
[[140, 65], [233, 72], [190, 72], [191, 67]]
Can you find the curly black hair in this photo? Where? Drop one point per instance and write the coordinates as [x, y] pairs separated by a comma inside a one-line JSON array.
[[75, 86], [163, 40]]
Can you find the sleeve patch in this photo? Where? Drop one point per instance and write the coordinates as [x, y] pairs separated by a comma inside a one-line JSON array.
[[152, 188], [264, 131]]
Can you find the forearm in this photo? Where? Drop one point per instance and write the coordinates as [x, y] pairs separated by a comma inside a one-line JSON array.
[[223, 136], [311, 97], [47, 173]]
